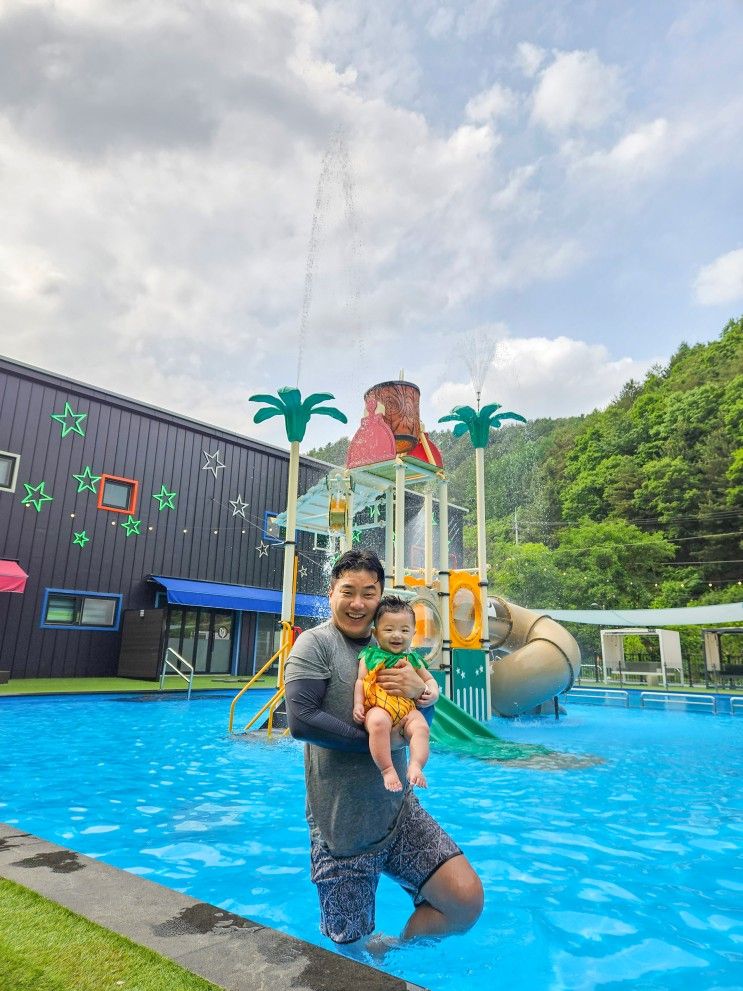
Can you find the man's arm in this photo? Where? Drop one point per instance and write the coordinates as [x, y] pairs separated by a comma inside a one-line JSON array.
[[402, 679], [309, 722]]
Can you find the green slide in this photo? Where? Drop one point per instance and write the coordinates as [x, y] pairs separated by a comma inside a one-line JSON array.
[[453, 729]]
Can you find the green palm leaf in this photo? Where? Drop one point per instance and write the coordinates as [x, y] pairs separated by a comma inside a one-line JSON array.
[[266, 414], [317, 397], [331, 411], [269, 400], [511, 416]]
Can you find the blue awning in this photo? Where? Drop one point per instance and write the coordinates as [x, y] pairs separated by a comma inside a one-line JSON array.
[[217, 595]]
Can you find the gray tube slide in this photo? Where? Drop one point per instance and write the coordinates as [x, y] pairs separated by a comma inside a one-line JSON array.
[[543, 659]]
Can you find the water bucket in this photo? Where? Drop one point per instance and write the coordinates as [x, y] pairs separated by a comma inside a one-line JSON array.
[[337, 511], [401, 401]]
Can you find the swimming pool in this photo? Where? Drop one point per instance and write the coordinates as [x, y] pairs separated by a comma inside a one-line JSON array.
[[621, 875]]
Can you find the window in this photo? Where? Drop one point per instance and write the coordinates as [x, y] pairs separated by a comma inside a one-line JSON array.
[[80, 610], [117, 495], [8, 470], [271, 530]]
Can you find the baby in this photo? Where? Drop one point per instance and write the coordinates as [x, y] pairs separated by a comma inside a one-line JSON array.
[[394, 626]]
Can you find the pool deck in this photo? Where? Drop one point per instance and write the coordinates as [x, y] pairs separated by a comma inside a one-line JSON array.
[[230, 951]]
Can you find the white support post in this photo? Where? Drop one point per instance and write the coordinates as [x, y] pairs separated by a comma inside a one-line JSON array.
[[446, 656], [349, 518], [428, 536], [389, 532], [399, 576], [482, 566], [291, 532]]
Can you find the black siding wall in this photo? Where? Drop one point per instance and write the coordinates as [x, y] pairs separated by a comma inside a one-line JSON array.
[[132, 440]]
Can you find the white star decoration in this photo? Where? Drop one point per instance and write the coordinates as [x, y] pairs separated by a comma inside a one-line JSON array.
[[213, 463], [302, 572], [262, 549], [239, 507]]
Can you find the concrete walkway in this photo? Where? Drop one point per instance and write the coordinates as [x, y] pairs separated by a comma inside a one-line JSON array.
[[228, 950]]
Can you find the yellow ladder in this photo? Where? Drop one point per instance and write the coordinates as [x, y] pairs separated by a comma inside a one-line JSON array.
[[281, 655]]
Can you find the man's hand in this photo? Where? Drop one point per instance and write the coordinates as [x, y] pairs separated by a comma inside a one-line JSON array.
[[402, 679]]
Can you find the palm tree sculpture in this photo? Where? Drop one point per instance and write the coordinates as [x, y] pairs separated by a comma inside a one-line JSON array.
[[478, 425], [297, 415]]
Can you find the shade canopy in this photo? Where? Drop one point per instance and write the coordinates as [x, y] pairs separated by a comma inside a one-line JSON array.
[[245, 598], [12, 577], [690, 616]]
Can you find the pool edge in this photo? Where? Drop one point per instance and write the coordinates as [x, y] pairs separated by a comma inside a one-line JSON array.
[[230, 951]]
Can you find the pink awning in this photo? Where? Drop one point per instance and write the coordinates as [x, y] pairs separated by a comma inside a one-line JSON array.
[[12, 577]]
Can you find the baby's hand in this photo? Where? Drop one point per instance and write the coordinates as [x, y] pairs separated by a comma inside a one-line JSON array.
[[358, 713]]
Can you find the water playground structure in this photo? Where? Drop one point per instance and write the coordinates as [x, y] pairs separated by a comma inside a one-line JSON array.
[[489, 656]]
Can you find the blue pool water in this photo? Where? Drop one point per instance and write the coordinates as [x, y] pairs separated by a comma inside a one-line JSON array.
[[625, 874]]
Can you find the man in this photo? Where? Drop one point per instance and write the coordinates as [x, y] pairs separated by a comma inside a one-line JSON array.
[[358, 829]]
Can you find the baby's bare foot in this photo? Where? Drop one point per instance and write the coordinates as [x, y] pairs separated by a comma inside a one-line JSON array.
[[391, 780], [416, 775]]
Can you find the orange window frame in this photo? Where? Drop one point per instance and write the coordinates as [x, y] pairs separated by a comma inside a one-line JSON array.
[[117, 478]]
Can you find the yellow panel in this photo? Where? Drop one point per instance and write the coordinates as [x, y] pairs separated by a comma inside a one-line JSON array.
[[465, 613]]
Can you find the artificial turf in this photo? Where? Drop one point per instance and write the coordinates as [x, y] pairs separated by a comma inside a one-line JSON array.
[[52, 686], [45, 947]]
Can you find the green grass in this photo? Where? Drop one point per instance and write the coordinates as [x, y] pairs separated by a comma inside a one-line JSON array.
[[46, 686], [45, 947]]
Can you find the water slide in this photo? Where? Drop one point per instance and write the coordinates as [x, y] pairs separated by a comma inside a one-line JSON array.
[[453, 729], [536, 658]]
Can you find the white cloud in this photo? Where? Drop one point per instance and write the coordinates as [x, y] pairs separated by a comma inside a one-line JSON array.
[[441, 22], [529, 58], [577, 91], [721, 281], [644, 152], [514, 197], [491, 104], [547, 377]]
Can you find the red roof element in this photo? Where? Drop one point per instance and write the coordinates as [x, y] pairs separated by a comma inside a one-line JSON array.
[[419, 452], [373, 441], [12, 577]]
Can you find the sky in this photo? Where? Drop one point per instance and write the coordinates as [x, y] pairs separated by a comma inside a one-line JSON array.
[[205, 199]]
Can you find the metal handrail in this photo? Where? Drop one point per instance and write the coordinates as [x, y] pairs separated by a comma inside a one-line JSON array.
[[607, 694], [284, 647], [735, 700], [685, 697], [176, 670]]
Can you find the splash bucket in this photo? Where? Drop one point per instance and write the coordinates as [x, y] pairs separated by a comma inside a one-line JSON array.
[[401, 401]]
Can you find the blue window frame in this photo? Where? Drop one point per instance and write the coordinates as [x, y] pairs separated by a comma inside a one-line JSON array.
[[271, 532], [70, 609]]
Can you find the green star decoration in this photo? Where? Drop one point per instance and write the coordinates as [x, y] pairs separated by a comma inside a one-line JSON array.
[[80, 539], [87, 480], [35, 496], [64, 418], [166, 500], [131, 526]]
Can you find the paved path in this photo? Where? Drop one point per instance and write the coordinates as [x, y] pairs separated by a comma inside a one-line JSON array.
[[228, 950]]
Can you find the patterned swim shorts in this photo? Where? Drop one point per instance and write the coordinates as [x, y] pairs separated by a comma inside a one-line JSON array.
[[347, 886]]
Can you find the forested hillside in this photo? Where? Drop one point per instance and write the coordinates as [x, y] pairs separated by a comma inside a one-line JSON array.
[[636, 505]]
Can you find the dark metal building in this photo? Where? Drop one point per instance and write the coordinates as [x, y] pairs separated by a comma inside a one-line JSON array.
[[109, 504]]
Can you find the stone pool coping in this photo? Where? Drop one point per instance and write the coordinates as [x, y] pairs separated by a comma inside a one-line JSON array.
[[230, 951]]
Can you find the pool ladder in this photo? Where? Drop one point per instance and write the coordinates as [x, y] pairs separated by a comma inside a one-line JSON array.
[[175, 669], [277, 698]]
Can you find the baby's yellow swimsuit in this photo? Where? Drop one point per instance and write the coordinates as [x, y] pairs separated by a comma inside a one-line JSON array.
[[374, 695]]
